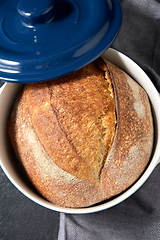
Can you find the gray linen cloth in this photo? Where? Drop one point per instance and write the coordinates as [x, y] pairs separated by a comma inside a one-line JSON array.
[[138, 217]]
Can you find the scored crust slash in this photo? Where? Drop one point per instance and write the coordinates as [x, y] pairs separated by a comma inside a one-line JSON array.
[[84, 137]]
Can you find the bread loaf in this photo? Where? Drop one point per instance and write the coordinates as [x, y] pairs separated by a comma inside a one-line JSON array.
[[85, 137]]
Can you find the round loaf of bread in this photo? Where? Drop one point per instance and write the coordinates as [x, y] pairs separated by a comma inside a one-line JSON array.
[[85, 137]]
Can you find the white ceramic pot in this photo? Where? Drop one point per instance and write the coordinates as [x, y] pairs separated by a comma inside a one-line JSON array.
[[11, 167]]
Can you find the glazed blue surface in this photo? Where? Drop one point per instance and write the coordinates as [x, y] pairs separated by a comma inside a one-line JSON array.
[[45, 39]]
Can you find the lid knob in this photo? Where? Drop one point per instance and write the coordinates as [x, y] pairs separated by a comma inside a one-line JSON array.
[[36, 11]]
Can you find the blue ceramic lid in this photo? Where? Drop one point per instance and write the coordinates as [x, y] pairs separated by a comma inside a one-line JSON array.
[[45, 39]]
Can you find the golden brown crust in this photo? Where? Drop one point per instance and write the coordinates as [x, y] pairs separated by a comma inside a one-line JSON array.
[[61, 130], [70, 117], [133, 141]]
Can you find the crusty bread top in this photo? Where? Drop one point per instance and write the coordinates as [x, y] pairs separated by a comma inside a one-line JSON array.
[[74, 118], [85, 137]]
